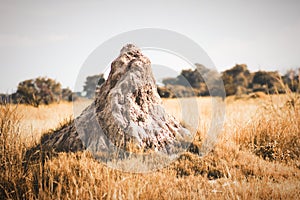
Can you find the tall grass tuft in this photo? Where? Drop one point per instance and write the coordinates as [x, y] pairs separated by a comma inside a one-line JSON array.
[[13, 180], [274, 133]]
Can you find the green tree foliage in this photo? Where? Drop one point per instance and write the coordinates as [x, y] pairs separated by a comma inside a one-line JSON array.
[[268, 82], [189, 77], [193, 82], [67, 94], [265, 78], [236, 79], [91, 84], [39, 91]]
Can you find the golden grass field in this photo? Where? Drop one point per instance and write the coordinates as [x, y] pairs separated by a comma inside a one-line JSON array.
[[257, 156]]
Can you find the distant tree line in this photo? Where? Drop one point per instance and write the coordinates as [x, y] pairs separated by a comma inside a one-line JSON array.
[[237, 81], [191, 82]]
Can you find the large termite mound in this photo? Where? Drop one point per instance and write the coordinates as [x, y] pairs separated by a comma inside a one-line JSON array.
[[127, 114]]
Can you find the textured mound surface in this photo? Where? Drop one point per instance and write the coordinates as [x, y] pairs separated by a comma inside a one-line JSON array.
[[127, 114]]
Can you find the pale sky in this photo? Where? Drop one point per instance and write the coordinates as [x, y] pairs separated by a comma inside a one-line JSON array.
[[54, 38]]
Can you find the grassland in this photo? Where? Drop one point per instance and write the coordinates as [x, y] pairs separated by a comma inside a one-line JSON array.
[[257, 156]]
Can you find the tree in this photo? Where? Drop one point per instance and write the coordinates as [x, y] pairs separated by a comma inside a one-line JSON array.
[[38, 91], [269, 80], [229, 85], [199, 81], [67, 94], [193, 77], [236, 79], [91, 84]]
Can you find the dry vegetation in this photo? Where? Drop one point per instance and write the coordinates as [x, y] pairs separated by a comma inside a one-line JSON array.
[[256, 157]]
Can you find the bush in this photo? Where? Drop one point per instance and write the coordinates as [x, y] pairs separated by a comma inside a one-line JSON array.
[[67, 94], [236, 78], [40, 91], [269, 81], [164, 92]]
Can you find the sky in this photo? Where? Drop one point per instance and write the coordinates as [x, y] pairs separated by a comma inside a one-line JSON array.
[[54, 38]]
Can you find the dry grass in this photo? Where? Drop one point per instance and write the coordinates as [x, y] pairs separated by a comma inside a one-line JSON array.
[[256, 157]]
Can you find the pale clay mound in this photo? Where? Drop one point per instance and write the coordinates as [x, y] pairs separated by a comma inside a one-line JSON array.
[[127, 113]]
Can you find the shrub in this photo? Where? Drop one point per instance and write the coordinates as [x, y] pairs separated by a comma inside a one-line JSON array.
[[38, 91], [67, 94], [269, 81]]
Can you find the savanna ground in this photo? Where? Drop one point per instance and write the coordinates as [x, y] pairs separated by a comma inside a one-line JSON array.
[[256, 157]]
